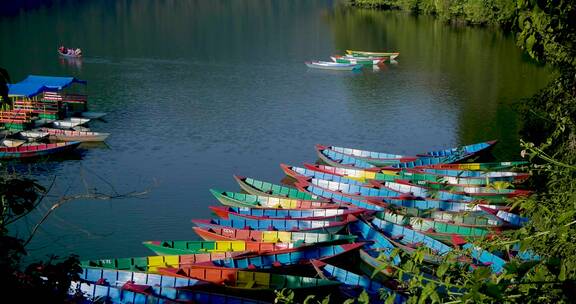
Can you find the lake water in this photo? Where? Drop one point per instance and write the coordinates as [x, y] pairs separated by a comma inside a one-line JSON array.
[[197, 91]]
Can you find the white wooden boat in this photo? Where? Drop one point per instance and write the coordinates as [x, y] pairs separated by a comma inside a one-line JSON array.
[[33, 134], [93, 115], [13, 143], [72, 135], [69, 123], [43, 121], [333, 65], [81, 120]]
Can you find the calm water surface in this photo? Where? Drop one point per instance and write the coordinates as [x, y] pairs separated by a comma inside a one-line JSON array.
[[199, 90]]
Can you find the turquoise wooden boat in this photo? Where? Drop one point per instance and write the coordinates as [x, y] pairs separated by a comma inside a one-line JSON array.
[[257, 187], [242, 200]]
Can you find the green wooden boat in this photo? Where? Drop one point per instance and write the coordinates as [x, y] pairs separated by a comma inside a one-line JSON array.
[[477, 219], [194, 247], [257, 187], [392, 55], [152, 264], [236, 199], [439, 230], [257, 281]]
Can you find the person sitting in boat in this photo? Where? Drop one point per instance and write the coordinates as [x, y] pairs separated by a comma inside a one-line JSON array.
[[78, 52], [62, 50]]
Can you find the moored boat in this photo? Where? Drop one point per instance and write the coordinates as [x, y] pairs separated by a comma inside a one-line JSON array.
[[257, 187], [236, 199], [358, 60], [277, 237], [392, 55], [72, 135], [239, 222], [152, 263], [326, 65], [374, 289], [288, 257], [305, 214], [216, 246], [36, 150]]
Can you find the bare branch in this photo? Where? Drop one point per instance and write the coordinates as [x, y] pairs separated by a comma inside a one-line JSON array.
[[87, 196]]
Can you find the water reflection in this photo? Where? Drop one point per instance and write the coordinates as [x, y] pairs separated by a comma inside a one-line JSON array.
[[75, 63], [459, 79]]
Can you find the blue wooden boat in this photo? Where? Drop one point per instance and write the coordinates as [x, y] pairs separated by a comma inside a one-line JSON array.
[[117, 278], [239, 222], [467, 149], [134, 293], [299, 214], [409, 237], [386, 159], [512, 218], [377, 240], [486, 258], [353, 280], [388, 189], [339, 197]]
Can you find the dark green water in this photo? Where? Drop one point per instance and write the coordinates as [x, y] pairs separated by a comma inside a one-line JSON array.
[[199, 90]]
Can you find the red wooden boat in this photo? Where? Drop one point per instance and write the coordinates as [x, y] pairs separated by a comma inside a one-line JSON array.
[[302, 238], [309, 214], [36, 150]]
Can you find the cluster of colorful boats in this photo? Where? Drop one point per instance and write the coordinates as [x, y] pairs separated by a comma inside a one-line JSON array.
[[327, 230], [45, 118], [354, 60]]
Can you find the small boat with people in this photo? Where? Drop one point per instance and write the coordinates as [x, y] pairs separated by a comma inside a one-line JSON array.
[[325, 65], [69, 52]]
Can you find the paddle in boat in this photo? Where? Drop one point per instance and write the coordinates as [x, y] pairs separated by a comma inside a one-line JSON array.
[[326, 65]]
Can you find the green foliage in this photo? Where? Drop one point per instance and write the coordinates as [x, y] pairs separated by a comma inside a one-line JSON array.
[[39, 282]]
